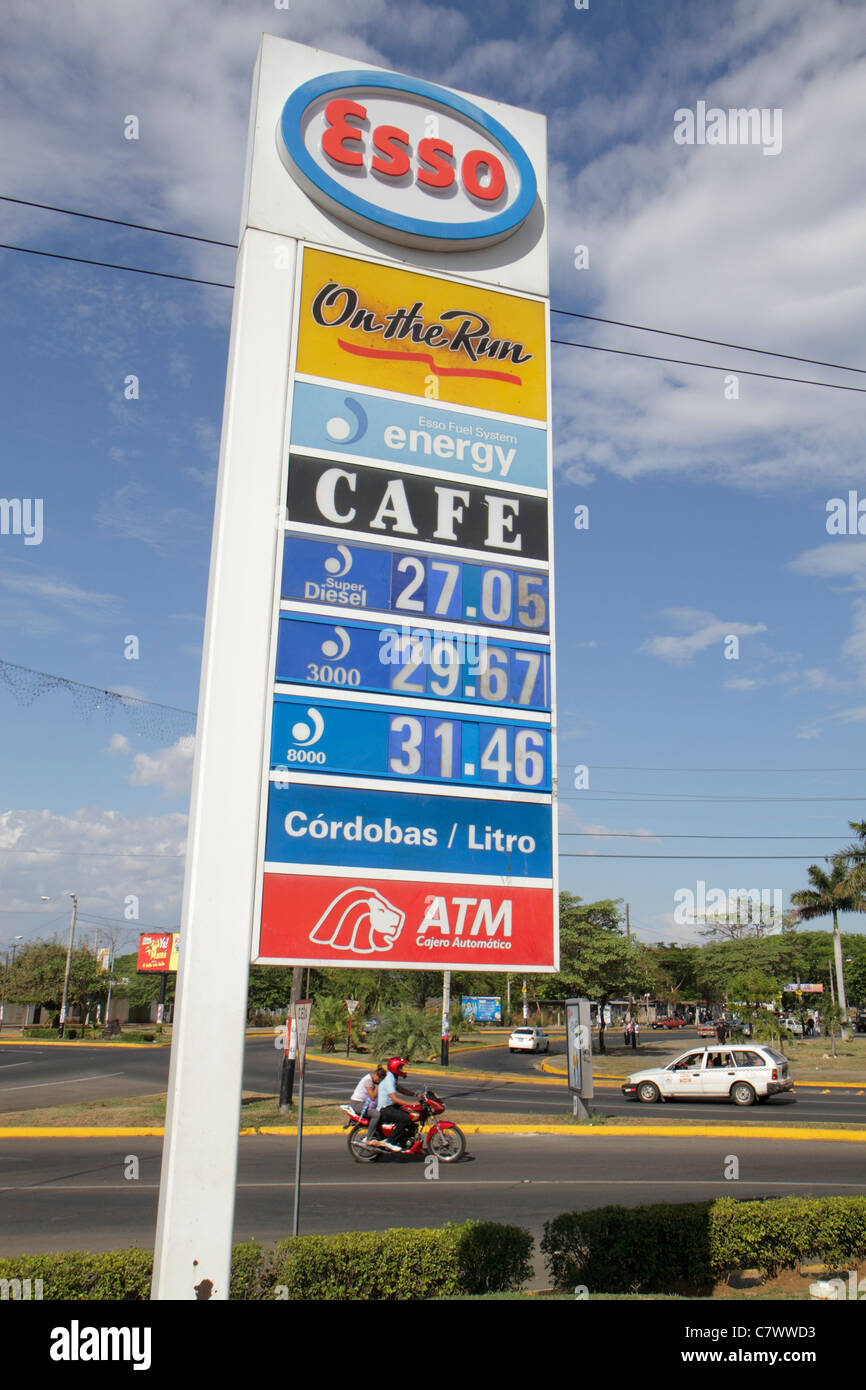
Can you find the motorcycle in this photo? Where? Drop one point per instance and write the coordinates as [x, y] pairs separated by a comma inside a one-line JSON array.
[[428, 1134]]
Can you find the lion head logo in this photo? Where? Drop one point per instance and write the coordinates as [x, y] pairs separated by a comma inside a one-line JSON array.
[[359, 920]]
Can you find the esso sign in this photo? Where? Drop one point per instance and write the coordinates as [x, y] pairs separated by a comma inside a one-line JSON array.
[[405, 160]]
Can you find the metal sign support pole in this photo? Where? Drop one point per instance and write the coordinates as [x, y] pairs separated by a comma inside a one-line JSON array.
[[297, 1210]]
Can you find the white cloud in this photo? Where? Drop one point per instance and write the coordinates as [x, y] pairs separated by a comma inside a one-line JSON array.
[[706, 631], [164, 529], [841, 559], [101, 856], [169, 768]]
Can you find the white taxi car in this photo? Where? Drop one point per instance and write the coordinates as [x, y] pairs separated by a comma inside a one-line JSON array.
[[529, 1040], [740, 1074]]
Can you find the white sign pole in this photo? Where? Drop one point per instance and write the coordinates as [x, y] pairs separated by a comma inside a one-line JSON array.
[[197, 1189], [303, 1009]]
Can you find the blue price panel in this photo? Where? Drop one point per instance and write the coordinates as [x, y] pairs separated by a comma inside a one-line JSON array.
[[352, 576], [376, 741], [315, 823], [412, 662]]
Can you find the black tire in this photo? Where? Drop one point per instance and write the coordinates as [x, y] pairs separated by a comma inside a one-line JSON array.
[[742, 1093], [648, 1092], [361, 1153], [447, 1144]]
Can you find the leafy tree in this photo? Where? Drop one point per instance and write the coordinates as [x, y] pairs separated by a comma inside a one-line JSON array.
[[140, 991], [596, 958], [842, 890], [37, 975], [671, 971]]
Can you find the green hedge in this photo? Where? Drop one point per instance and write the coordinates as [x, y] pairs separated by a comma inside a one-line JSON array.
[[688, 1247], [477, 1257]]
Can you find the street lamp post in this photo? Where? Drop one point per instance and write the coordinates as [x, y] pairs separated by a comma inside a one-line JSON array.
[[68, 965]]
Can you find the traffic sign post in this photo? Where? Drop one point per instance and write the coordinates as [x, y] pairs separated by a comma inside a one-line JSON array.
[[375, 771], [351, 1006], [301, 1019], [578, 1024]]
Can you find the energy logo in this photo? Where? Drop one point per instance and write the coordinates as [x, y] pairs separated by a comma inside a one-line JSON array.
[[343, 431], [359, 920], [309, 733]]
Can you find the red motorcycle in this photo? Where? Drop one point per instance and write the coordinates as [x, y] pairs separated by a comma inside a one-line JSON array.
[[427, 1135]]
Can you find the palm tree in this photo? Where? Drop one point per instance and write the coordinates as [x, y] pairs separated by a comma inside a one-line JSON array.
[[839, 891]]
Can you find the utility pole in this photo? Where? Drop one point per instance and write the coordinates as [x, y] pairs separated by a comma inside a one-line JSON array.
[[525, 1005], [68, 966], [287, 1071], [628, 939], [446, 1016]]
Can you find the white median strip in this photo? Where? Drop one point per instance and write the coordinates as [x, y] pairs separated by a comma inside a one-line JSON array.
[[37, 1085]]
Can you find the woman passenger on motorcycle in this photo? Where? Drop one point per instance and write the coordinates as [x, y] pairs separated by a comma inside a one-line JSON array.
[[392, 1110]]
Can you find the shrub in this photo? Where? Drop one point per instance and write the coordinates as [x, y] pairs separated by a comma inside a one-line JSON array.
[[653, 1249], [493, 1258], [478, 1257], [686, 1248], [408, 1032], [115, 1275]]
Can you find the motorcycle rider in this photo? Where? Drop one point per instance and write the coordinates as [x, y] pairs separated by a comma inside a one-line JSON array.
[[392, 1110], [363, 1098]]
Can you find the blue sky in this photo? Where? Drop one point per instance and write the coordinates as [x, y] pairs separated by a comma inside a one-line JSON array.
[[707, 514]]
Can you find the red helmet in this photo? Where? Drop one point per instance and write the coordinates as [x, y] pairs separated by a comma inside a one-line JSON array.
[[397, 1065]]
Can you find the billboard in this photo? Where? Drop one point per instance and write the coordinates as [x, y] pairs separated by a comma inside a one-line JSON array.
[[482, 1008], [157, 951]]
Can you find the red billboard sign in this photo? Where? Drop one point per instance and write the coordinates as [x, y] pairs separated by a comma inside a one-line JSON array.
[[157, 951], [364, 920]]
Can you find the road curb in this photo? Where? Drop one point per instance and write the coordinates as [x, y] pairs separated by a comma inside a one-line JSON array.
[[78, 1042], [839, 1136]]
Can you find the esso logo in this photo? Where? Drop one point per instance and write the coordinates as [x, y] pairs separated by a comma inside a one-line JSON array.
[[405, 160]]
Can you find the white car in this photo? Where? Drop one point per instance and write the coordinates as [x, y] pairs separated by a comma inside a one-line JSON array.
[[529, 1040], [740, 1074]]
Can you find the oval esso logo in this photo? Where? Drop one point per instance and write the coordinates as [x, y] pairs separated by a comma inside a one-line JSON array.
[[406, 160]]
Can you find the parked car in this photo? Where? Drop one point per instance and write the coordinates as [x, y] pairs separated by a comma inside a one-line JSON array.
[[529, 1040], [860, 1021], [670, 1022], [793, 1025], [741, 1074]]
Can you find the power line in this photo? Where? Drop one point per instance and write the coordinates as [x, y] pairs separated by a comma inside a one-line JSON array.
[[559, 342], [714, 342], [570, 313], [803, 771], [710, 366], [604, 794], [590, 854], [118, 222], [110, 265], [91, 853], [661, 835]]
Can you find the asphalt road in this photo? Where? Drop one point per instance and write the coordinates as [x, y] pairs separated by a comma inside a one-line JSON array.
[[32, 1077], [72, 1194]]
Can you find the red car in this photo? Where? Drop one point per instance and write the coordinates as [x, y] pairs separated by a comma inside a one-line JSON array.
[[669, 1023]]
